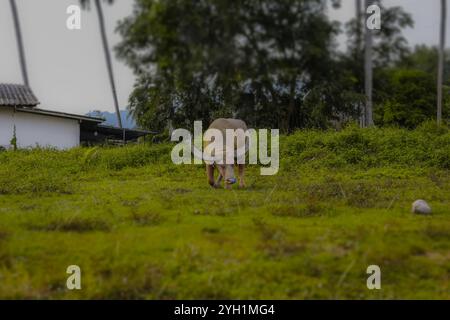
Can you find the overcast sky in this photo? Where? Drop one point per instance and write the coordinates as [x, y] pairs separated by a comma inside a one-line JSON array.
[[67, 69]]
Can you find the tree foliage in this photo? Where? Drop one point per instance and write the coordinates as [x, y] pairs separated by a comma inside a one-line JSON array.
[[406, 92], [410, 98], [425, 58], [252, 59], [272, 63]]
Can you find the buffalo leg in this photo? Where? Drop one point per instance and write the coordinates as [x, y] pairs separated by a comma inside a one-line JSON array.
[[210, 175], [241, 176], [219, 180]]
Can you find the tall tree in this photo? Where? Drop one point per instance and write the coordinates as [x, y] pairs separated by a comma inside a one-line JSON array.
[[441, 60], [23, 64], [358, 16], [388, 47], [357, 51], [368, 72], [101, 20]]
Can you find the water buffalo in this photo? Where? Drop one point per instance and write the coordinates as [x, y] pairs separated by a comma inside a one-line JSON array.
[[226, 170]]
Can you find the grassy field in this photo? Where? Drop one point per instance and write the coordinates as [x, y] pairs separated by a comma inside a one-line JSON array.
[[142, 228]]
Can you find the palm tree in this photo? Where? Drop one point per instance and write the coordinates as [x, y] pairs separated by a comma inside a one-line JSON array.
[[23, 64], [368, 72], [101, 20], [358, 17], [441, 60]]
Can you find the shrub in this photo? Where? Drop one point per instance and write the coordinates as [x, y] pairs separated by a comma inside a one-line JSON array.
[[426, 146], [52, 171]]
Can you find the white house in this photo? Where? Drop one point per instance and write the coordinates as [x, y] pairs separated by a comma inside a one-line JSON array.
[[31, 126], [25, 125], [36, 129]]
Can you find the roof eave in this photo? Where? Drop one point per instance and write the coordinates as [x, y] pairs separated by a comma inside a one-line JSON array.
[[58, 114]]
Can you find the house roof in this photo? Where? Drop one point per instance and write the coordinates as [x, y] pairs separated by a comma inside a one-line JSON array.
[[61, 114], [17, 95]]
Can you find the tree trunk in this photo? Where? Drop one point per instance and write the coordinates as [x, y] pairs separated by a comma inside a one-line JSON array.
[[23, 64], [358, 26], [287, 117], [358, 40], [108, 59], [368, 83], [441, 61]]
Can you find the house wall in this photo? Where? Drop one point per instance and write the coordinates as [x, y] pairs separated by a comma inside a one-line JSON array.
[[38, 130]]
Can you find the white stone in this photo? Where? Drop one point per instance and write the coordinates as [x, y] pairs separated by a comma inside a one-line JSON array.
[[420, 207]]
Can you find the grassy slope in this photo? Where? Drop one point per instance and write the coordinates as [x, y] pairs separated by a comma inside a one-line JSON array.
[[140, 227]]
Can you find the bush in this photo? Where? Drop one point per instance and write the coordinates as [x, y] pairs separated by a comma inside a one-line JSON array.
[[427, 146], [52, 171]]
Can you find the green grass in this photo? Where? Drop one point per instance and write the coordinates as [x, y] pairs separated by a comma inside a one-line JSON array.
[[142, 228]]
